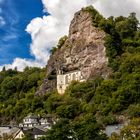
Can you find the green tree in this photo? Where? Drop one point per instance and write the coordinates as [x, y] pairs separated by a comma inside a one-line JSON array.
[[86, 128], [62, 130], [131, 131]]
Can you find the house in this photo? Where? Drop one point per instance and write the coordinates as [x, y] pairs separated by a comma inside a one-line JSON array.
[[47, 120], [44, 122], [64, 79], [16, 133], [32, 126], [11, 133], [4, 130], [34, 133], [30, 121], [38, 133]]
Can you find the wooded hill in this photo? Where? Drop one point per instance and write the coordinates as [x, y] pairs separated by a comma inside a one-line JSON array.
[[85, 108]]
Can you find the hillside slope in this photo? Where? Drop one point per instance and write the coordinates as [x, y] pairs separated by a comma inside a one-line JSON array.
[[87, 107]]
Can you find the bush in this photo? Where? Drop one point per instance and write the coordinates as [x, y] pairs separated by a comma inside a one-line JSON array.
[[134, 110]]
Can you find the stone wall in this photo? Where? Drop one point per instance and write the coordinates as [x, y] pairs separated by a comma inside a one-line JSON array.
[[64, 80]]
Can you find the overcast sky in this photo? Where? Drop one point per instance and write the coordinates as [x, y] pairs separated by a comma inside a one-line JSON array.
[[27, 33]]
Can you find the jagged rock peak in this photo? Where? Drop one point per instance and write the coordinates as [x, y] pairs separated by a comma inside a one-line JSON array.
[[83, 50], [79, 18]]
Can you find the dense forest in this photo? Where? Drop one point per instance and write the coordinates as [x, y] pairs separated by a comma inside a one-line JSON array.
[[85, 108]]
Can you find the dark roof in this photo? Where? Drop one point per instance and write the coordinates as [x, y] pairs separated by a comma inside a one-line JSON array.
[[37, 131], [34, 131], [16, 132]]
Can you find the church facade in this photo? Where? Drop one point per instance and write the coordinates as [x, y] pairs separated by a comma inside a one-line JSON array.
[[64, 80]]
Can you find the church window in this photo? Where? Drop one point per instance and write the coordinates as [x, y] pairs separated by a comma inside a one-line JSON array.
[[66, 79], [73, 77]]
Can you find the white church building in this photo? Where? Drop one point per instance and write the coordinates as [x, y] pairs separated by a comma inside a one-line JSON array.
[[64, 80]]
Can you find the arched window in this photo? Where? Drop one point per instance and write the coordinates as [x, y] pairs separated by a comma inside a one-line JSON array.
[[66, 79], [73, 77]]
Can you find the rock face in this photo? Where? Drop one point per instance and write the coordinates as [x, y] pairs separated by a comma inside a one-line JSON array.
[[84, 50]]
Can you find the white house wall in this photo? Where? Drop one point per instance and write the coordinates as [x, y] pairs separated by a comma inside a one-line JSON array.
[[20, 135], [64, 80]]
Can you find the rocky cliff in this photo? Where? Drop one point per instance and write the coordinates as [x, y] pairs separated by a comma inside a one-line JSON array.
[[83, 50]]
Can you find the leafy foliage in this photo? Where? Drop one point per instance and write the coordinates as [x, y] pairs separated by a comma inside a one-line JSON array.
[[17, 91], [129, 132], [86, 107], [60, 43]]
